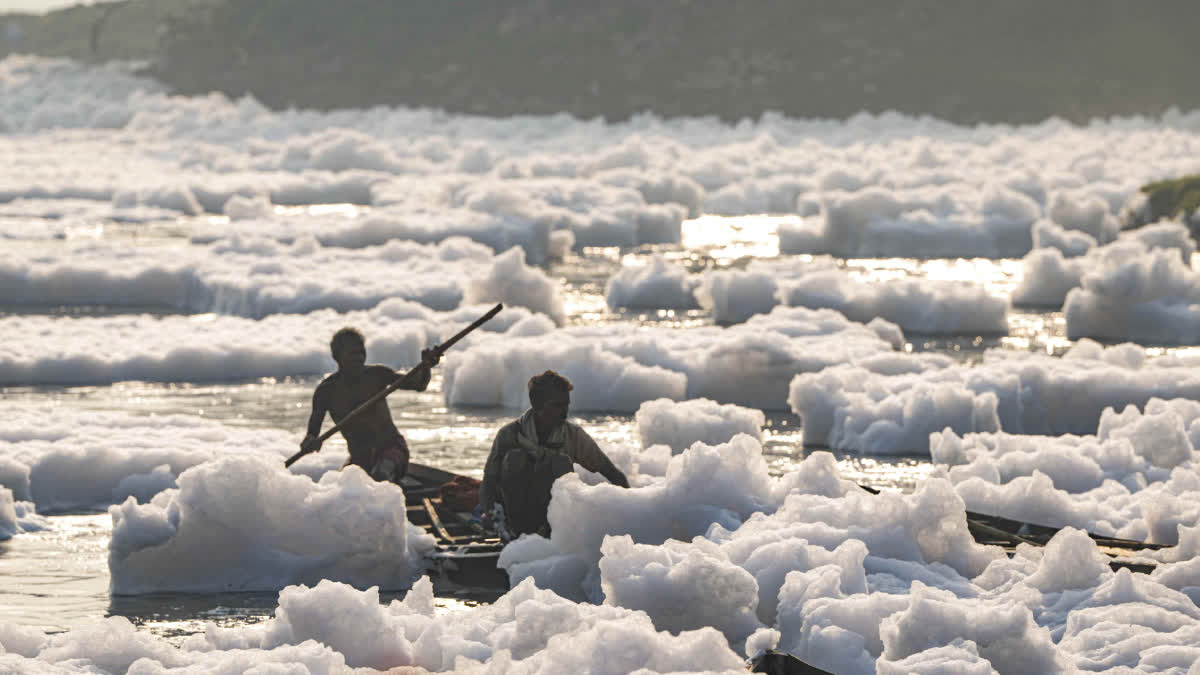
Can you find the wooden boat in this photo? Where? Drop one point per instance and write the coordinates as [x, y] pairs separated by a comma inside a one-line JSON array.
[[1008, 534], [466, 553]]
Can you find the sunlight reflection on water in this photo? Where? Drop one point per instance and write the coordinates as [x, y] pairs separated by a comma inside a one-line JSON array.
[[59, 577], [729, 238]]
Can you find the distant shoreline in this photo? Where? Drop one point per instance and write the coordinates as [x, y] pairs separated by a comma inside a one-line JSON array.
[[1016, 62]]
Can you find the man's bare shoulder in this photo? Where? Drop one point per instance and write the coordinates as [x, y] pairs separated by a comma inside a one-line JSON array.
[[325, 386]]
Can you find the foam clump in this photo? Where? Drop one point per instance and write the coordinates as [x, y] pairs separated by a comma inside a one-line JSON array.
[[911, 187], [1071, 243], [1135, 478], [1151, 299], [680, 586], [1005, 633], [723, 495], [917, 306], [1139, 287], [17, 517], [497, 373], [597, 213], [680, 424], [1036, 612], [960, 656], [687, 570], [92, 459], [890, 403], [248, 207], [562, 242], [735, 295], [511, 281], [245, 276], [9, 525], [852, 407], [1062, 258], [242, 523], [505, 636], [704, 485], [399, 213], [209, 347], [114, 645], [657, 285], [255, 277], [934, 221], [619, 367]]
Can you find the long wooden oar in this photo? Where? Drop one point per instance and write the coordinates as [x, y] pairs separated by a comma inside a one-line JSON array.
[[436, 352]]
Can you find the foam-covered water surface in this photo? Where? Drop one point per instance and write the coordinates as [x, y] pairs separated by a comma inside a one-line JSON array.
[[758, 318]]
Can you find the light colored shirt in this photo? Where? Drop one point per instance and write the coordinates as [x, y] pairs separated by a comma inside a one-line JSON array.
[[576, 444]]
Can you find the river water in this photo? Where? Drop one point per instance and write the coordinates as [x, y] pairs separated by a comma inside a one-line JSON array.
[[58, 578]]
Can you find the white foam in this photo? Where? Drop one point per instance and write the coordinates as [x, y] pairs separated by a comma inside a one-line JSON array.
[[1151, 299], [1136, 478], [561, 244], [1050, 272], [848, 581], [91, 459], [618, 367], [886, 184], [508, 635], [8, 515], [680, 424], [851, 582], [716, 491], [244, 523], [511, 281], [733, 296], [917, 306], [937, 221], [209, 347], [257, 277], [656, 285], [890, 404]]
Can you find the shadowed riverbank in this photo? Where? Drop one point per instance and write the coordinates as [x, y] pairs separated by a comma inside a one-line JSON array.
[[1011, 62]]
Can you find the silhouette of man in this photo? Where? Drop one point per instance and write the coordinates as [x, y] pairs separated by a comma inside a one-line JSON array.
[[374, 442], [529, 453]]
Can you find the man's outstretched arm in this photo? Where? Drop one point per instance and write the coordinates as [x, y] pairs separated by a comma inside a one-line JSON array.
[[587, 453], [423, 372]]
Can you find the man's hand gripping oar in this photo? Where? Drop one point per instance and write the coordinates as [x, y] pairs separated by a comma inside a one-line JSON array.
[[430, 357]]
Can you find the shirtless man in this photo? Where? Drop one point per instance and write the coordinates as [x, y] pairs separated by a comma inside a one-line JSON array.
[[374, 442], [529, 453]]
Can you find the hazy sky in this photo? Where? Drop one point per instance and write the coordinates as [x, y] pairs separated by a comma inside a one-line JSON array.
[[37, 5]]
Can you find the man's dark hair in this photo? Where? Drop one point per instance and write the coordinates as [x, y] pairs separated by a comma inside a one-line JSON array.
[[542, 386], [341, 337]]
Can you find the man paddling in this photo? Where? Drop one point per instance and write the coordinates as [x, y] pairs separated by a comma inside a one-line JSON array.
[[374, 442], [529, 453]]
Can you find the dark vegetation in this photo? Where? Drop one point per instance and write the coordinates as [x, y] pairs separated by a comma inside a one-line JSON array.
[[1176, 199], [1013, 61], [128, 30]]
